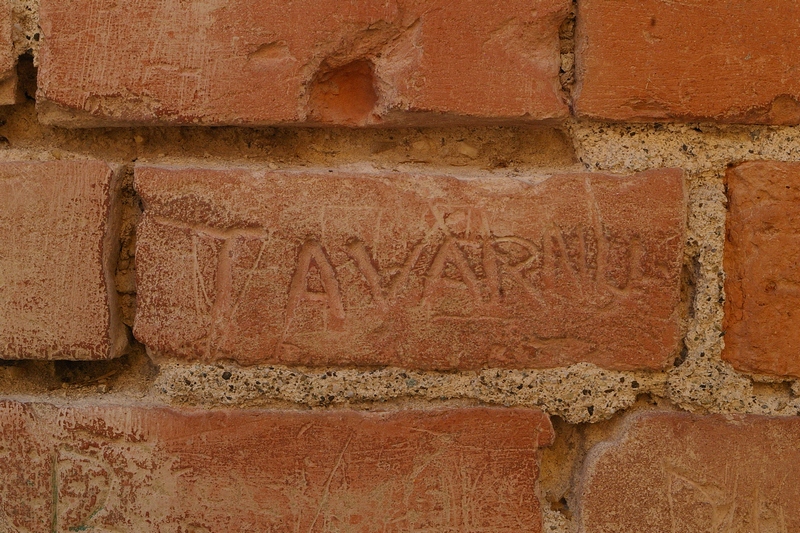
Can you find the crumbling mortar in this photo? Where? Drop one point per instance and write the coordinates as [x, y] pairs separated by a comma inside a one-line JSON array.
[[25, 31], [566, 37], [579, 393], [463, 149]]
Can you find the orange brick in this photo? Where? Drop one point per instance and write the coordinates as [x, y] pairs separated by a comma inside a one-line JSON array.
[[683, 473], [308, 61], [114, 468], [656, 60], [58, 249], [410, 270], [762, 267]]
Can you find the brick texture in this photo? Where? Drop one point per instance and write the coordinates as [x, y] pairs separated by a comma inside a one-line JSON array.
[[309, 61], [58, 224], [656, 60], [115, 468], [762, 265], [683, 473], [410, 270]]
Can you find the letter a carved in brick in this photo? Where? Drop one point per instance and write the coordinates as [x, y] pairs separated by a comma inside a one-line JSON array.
[[312, 256]]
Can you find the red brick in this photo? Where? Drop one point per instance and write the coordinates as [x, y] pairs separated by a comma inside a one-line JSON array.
[[683, 473], [115, 468], [762, 268], [58, 249], [307, 61], [410, 270], [698, 60]]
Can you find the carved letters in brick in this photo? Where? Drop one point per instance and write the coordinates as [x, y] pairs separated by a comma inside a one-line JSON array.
[[391, 269]]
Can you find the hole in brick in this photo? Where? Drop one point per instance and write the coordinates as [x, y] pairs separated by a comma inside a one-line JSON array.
[[344, 95]]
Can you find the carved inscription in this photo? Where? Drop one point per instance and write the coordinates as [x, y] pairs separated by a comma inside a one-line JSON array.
[[486, 269], [524, 272], [81, 485], [486, 272], [538, 271]]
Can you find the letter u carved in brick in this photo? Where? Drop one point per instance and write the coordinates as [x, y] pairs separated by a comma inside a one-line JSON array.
[[423, 272]]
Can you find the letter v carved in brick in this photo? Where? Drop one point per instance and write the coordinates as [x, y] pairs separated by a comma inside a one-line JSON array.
[[366, 265]]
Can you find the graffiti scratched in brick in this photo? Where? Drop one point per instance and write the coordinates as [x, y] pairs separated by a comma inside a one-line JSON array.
[[530, 278]]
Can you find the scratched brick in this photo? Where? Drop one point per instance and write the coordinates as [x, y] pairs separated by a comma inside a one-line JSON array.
[[115, 468], [694, 60], [762, 267], [409, 270], [308, 61], [683, 473], [58, 223]]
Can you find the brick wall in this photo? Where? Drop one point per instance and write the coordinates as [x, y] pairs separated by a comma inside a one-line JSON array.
[[465, 266]]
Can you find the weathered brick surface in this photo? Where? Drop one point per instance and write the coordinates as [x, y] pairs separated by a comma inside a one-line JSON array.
[[57, 253], [656, 60], [762, 266], [148, 469], [268, 62], [410, 270], [683, 474], [8, 60]]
